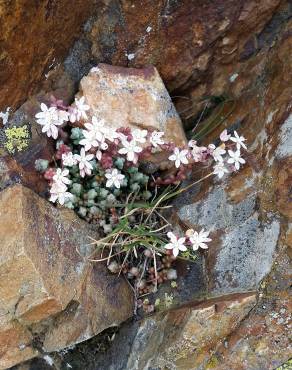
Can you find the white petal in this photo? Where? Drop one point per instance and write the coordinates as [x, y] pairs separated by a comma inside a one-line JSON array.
[[175, 252]]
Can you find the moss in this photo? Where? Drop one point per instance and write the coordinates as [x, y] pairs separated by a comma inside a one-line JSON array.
[[17, 138]]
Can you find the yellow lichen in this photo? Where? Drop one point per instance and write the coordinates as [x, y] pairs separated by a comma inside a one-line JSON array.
[[286, 366], [17, 138], [213, 362]]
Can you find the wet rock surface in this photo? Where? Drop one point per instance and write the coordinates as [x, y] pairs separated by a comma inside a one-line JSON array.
[[51, 295]]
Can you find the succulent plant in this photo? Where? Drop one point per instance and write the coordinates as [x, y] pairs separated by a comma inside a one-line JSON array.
[[41, 165]]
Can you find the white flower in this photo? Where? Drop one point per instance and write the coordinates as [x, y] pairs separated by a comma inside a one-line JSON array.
[[5, 116], [72, 114], [197, 152], [46, 114], [235, 158], [211, 148], [60, 176], [176, 244], [98, 155], [96, 128], [59, 193], [198, 240], [131, 149], [218, 152], [103, 145], [110, 134], [115, 178], [139, 135], [49, 119], [68, 159], [224, 136], [155, 138], [81, 108], [220, 169], [179, 156], [89, 140], [238, 140], [85, 166], [63, 116]]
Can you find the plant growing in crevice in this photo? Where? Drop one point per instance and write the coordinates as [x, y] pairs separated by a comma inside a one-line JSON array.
[[97, 171]]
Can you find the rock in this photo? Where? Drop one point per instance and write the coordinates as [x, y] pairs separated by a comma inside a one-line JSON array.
[[18, 166], [135, 98], [239, 239], [199, 50], [15, 342], [51, 296], [199, 329], [262, 340], [179, 339], [240, 53], [47, 29]]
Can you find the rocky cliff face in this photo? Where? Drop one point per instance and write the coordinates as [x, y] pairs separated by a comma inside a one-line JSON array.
[[238, 52]]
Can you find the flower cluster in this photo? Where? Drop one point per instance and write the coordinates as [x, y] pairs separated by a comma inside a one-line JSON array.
[[99, 167], [192, 239], [196, 153]]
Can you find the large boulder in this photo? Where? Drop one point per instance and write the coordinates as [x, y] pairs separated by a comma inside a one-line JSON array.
[[51, 295]]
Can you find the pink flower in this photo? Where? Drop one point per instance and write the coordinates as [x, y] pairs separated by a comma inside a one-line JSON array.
[[197, 152], [59, 193], [49, 174], [224, 136]]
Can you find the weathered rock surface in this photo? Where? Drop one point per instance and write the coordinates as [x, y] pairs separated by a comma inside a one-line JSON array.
[[262, 341], [199, 48], [250, 216], [241, 52], [51, 296], [182, 338], [135, 98], [35, 36]]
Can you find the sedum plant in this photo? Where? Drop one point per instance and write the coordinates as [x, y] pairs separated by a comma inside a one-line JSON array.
[[98, 172]]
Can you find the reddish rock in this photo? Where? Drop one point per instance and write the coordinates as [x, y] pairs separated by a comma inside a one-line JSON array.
[[35, 36], [196, 46]]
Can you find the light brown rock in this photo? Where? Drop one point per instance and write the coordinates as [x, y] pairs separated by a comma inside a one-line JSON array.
[[135, 98], [46, 284], [183, 338], [15, 344]]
